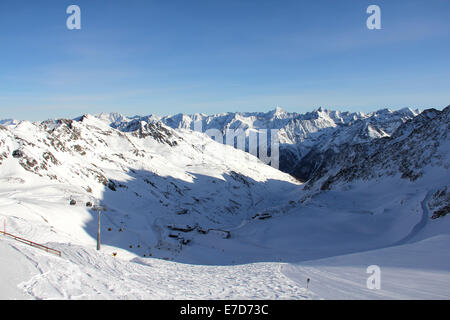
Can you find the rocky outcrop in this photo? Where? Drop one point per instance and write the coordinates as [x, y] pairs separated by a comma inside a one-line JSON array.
[[419, 142]]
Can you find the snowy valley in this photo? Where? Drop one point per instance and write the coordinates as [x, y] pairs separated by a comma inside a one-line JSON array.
[[190, 218]]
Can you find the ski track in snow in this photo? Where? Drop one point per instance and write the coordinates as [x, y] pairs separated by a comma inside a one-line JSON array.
[[86, 274], [402, 275], [423, 221]]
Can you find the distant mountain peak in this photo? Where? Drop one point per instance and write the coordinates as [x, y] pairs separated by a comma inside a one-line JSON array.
[[7, 122], [278, 112], [278, 109]]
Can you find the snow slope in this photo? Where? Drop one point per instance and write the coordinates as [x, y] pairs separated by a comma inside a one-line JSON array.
[[412, 271], [84, 273]]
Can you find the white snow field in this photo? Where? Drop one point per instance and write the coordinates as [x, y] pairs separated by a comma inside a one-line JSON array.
[[412, 271], [417, 270], [84, 273], [199, 220]]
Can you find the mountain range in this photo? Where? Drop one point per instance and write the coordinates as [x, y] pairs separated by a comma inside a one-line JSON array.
[[354, 189], [304, 138]]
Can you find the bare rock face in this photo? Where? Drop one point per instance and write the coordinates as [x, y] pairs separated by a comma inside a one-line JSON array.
[[439, 203], [17, 154], [156, 130]]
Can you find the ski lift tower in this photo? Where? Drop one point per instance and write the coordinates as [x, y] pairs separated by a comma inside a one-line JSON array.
[[99, 210]]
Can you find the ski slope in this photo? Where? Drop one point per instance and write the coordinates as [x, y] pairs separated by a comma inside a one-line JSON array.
[[324, 239], [84, 273], [412, 271]]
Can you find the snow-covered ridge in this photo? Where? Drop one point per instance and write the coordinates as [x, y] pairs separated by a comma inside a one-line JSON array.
[[417, 144], [299, 134], [304, 138], [296, 126]]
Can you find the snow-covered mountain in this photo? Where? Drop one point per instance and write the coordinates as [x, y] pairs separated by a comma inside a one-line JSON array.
[[419, 142], [304, 138], [174, 176], [228, 225]]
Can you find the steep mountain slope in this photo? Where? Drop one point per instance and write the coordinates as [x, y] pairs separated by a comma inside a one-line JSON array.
[[417, 144]]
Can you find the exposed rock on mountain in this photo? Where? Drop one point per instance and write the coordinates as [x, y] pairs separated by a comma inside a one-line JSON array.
[[305, 139], [439, 204], [420, 142]]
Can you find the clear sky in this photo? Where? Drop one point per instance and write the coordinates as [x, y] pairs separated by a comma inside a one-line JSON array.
[[166, 57]]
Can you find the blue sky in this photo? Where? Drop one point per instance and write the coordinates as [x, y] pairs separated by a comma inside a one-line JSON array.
[[166, 57]]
